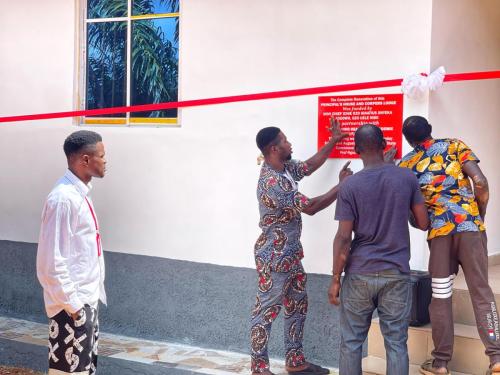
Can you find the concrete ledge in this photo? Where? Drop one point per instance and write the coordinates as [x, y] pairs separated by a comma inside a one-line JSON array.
[[494, 260], [468, 354], [154, 298], [377, 366]]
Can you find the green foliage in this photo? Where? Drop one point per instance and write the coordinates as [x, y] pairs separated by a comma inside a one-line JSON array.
[[154, 61], [106, 80], [107, 8]]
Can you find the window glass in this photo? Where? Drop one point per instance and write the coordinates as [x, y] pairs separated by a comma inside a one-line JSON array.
[[106, 8], [154, 64], [106, 65], [131, 59], [140, 7]]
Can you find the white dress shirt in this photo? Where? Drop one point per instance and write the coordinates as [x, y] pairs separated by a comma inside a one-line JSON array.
[[69, 263]]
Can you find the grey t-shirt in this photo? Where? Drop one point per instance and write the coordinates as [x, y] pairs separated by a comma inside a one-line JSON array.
[[378, 201]]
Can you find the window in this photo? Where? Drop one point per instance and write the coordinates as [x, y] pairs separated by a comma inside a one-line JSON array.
[[131, 57]]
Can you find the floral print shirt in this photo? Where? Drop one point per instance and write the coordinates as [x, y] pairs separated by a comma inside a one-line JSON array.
[[278, 248], [448, 194]]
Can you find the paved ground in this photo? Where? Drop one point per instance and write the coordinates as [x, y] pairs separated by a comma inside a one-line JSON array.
[[4, 370], [24, 343]]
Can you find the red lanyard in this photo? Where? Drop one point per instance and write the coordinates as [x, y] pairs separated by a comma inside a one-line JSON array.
[[97, 236]]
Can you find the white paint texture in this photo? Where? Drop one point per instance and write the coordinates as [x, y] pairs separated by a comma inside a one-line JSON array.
[[189, 192], [466, 37]]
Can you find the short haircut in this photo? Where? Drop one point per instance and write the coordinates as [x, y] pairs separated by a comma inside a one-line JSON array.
[[369, 137], [416, 129], [80, 141], [267, 137]]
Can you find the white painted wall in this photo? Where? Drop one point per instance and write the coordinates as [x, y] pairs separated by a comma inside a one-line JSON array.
[[189, 192], [466, 37]]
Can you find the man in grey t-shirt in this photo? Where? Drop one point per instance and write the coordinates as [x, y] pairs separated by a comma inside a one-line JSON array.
[[376, 204]]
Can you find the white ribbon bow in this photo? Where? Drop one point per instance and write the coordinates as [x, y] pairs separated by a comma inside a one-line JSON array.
[[416, 86]]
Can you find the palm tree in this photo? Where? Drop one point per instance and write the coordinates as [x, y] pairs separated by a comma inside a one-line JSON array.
[[106, 73], [154, 65], [146, 7]]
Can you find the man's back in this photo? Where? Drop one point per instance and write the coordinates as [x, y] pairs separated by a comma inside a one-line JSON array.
[[437, 163], [378, 201]]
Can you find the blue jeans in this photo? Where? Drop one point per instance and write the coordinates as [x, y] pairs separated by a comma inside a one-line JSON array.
[[390, 293]]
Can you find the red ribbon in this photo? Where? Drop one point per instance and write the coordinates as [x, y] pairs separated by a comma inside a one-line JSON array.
[[248, 97], [97, 234]]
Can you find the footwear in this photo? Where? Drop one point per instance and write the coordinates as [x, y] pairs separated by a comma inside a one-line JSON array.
[[319, 370], [311, 369], [494, 369], [427, 369]]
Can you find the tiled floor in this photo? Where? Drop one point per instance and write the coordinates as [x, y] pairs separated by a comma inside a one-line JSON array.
[[203, 361]]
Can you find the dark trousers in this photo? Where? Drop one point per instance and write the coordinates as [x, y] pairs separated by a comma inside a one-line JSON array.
[[469, 250], [73, 343]]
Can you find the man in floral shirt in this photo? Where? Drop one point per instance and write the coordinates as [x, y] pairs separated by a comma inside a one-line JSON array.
[[278, 251], [444, 168]]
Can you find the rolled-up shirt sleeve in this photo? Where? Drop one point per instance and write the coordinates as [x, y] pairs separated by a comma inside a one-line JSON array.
[[465, 154], [298, 169], [52, 256], [300, 201], [345, 210]]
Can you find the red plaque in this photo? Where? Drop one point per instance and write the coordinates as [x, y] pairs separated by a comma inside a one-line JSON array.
[[385, 111]]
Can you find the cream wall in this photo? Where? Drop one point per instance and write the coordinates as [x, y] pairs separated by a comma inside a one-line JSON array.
[[466, 37], [189, 192]]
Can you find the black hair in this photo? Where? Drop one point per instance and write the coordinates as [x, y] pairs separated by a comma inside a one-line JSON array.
[[416, 129], [80, 141], [267, 137], [369, 137]]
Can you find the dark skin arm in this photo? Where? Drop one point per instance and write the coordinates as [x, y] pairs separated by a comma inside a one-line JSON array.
[[419, 217], [390, 154], [341, 247], [318, 159], [480, 184], [317, 204]]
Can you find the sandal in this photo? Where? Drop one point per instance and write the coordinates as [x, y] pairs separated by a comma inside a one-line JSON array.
[[494, 369], [311, 369], [427, 369]]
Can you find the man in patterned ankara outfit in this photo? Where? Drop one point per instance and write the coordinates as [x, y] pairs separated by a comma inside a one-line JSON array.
[[278, 251], [457, 237]]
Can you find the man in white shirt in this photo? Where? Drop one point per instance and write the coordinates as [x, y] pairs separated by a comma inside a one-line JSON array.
[[70, 264]]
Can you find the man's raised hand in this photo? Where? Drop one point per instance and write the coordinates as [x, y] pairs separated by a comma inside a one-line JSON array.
[[345, 171], [390, 154], [335, 130]]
